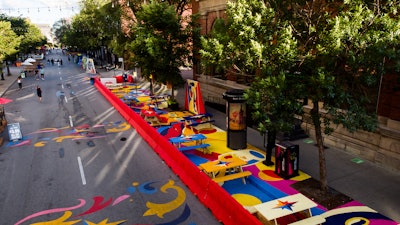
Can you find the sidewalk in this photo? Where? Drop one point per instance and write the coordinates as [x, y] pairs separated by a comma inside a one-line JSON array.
[[9, 80], [363, 181]]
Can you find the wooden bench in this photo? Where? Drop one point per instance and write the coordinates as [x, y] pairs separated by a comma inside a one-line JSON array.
[[198, 123], [193, 147], [232, 177], [314, 220]]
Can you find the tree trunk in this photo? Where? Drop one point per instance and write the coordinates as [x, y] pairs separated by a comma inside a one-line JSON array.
[[321, 150]]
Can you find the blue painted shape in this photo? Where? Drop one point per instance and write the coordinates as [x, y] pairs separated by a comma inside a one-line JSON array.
[[180, 219], [256, 154], [253, 161], [197, 160]]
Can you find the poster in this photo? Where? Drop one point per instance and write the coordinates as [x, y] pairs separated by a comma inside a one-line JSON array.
[[237, 116], [90, 66], [14, 131]]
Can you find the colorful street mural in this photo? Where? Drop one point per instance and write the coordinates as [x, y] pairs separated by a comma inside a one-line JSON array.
[[73, 214], [83, 132]]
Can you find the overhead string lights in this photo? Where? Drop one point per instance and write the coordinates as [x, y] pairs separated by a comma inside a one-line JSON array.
[[39, 9]]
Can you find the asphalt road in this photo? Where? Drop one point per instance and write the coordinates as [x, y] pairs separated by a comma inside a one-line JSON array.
[[107, 176]]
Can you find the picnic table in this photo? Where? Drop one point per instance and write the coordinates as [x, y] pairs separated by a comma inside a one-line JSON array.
[[196, 138], [225, 169], [277, 208]]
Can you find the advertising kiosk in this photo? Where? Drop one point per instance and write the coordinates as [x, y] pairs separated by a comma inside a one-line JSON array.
[[286, 160], [236, 119]]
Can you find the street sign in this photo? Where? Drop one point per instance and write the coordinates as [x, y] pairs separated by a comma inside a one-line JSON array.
[[14, 131]]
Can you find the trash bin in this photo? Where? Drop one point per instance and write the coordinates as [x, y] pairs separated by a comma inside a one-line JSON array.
[[286, 159], [92, 80], [236, 119]]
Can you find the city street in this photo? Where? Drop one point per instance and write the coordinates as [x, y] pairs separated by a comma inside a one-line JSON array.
[[80, 162]]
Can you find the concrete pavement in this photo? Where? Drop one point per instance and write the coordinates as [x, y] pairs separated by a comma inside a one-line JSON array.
[[365, 182]]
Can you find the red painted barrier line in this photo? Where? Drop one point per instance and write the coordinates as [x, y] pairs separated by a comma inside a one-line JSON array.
[[225, 208]]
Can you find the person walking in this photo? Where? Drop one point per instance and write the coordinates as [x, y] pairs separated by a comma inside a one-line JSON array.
[[37, 74], [19, 80], [39, 93], [42, 73]]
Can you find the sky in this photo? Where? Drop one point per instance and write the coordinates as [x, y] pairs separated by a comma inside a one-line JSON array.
[[40, 11]]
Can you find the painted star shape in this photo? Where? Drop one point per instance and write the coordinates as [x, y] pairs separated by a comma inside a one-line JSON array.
[[284, 205]]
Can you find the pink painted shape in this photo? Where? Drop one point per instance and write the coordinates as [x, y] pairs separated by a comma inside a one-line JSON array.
[[96, 205], [82, 203], [27, 142], [120, 199]]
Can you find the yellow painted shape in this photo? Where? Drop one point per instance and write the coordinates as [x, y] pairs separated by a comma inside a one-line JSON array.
[[121, 127], [61, 138], [105, 222], [143, 98], [356, 220], [60, 221], [217, 140], [40, 144], [246, 199], [160, 209]]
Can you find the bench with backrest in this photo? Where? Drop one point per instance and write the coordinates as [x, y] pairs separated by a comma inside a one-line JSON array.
[[233, 176], [193, 147]]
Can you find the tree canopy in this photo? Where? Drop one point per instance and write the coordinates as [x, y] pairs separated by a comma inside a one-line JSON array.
[[161, 42], [29, 35], [9, 41]]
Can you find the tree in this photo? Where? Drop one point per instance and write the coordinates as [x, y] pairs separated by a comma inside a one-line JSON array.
[[343, 51], [252, 42], [9, 41], [161, 43], [358, 46]]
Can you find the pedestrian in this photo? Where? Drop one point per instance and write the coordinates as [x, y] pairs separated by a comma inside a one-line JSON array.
[[39, 93], [19, 80], [125, 77], [36, 74], [42, 73], [52, 62]]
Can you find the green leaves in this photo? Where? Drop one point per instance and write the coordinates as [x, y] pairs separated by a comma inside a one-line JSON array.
[[161, 44], [9, 41]]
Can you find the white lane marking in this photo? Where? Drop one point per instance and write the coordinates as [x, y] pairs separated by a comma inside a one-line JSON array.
[[81, 171], [70, 121]]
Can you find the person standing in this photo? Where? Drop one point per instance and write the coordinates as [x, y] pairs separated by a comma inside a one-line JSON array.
[[19, 80], [39, 93]]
